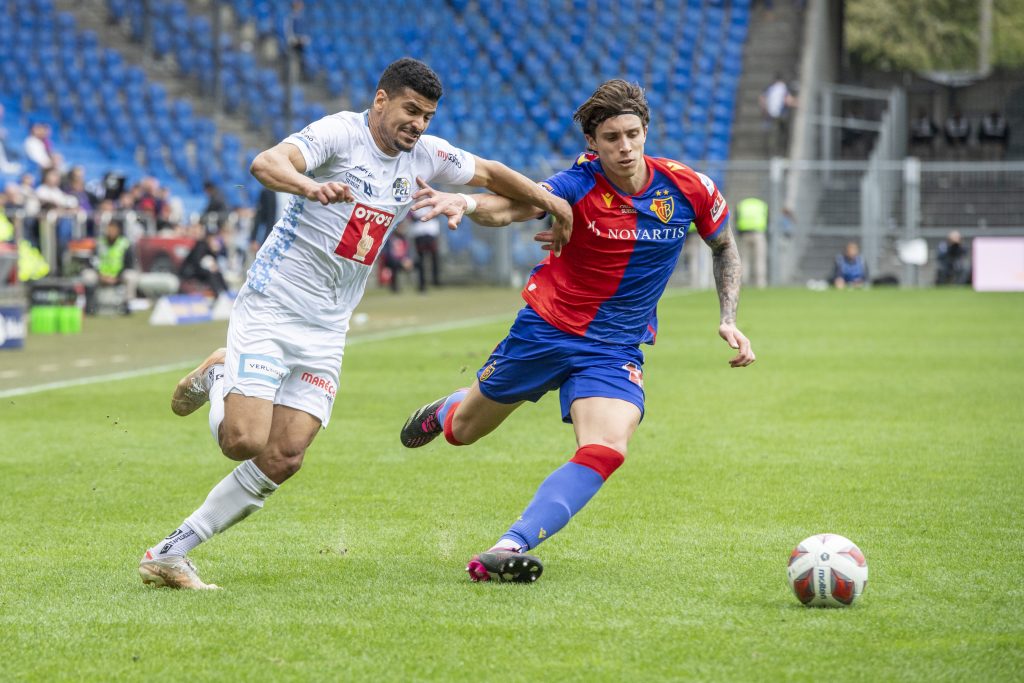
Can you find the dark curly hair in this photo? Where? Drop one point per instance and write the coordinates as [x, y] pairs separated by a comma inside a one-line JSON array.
[[612, 98], [413, 74]]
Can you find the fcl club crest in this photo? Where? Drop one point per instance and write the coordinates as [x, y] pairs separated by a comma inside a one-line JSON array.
[[401, 189], [663, 207]]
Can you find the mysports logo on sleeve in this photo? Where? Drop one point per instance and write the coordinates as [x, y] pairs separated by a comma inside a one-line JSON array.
[[364, 233]]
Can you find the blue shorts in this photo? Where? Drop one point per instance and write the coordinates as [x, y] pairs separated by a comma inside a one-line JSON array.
[[536, 357]]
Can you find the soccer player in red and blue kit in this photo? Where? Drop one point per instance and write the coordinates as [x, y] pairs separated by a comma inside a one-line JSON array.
[[589, 306]]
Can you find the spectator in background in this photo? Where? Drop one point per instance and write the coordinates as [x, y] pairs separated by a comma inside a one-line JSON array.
[[776, 101], [38, 148], [922, 135], [752, 222], [170, 209], [146, 200], [294, 29], [994, 135], [13, 199], [114, 265], [958, 132], [425, 236], [265, 218], [849, 269], [396, 258], [216, 210], [8, 164], [952, 257], [50, 195], [65, 206], [202, 265], [74, 185]]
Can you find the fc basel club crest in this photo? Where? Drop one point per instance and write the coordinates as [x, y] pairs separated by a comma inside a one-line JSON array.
[[487, 372], [401, 189], [663, 205]]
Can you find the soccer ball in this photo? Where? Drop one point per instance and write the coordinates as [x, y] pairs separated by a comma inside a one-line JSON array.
[[827, 570]]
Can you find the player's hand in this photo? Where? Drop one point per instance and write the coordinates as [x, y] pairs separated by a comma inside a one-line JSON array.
[[331, 193], [438, 203], [737, 340], [561, 227]]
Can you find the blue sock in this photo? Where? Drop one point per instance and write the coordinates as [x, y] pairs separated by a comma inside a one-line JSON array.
[[452, 401], [562, 495]]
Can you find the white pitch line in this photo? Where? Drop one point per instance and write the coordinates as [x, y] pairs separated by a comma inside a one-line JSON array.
[[360, 339]]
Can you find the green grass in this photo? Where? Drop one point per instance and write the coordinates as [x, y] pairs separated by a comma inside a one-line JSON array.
[[894, 418]]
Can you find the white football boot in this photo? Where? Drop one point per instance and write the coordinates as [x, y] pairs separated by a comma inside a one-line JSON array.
[[172, 572]]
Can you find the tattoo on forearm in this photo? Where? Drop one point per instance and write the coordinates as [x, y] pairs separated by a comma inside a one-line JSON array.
[[728, 273]]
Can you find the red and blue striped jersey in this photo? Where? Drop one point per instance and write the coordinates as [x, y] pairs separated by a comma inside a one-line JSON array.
[[610, 276]]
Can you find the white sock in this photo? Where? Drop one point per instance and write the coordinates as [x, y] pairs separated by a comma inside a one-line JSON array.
[[215, 380], [237, 496], [179, 543], [508, 544]]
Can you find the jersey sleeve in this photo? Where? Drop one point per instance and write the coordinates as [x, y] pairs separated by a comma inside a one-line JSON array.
[[571, 184], [449, 164], [708, 203], [321, 140]]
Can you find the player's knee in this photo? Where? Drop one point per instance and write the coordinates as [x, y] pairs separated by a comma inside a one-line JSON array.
[[617, 444], [238, 444], [602, 458], [283, 461]]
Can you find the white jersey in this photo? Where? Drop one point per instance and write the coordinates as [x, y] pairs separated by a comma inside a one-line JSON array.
[[318, 258]]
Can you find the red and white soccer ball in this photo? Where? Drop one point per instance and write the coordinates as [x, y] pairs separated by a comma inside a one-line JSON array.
[[827, 570]]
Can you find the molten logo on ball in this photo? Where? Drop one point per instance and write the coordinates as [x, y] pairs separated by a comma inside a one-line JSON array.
[[827, 571]]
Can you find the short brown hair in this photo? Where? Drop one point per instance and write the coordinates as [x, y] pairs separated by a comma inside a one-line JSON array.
[[612, 98]]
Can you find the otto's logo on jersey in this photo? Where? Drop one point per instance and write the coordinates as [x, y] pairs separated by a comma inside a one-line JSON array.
[[320, 382], [401, 189], [718, 207], [450, 157], [636, 375], [364, 233], [663, 205]]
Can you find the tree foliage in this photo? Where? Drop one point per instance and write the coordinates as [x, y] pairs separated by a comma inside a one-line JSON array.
[[937, 35]]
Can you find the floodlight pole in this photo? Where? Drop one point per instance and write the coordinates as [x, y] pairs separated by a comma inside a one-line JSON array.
[[985, 37]]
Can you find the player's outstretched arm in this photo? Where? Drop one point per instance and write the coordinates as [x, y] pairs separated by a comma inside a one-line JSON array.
[[728, 274], [502, 180], [282, 167], [490, 210]]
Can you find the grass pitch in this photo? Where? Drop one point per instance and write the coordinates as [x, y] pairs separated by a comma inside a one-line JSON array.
[[891, 417]]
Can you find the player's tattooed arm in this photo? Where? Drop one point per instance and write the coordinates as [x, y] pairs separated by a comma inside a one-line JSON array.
[[728, 273]]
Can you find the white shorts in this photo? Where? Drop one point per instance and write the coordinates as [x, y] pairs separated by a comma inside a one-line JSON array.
[[277, 355]]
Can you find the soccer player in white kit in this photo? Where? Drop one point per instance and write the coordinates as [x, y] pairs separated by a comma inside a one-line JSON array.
[[353, 176]]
